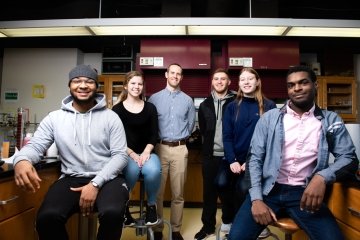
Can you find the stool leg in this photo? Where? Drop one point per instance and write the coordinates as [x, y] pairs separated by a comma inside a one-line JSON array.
[[92, 227], [288, 236], [170, 229], [218, 232], [83, 228], [150, 235], [142, 197]]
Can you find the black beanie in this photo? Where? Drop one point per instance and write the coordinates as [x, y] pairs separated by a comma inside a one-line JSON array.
[[83, 71]]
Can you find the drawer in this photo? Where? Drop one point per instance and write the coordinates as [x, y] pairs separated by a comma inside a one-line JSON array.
[[19, 227], [345, 205], [349, 232], [13, 200]]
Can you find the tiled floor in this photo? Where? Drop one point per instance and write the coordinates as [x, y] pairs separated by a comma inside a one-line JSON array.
[[191, 225]]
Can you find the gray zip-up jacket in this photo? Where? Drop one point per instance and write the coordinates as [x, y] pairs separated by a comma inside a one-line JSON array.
[[268, 141], [91, 144]]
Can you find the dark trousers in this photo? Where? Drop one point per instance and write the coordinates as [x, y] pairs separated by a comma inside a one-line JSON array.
[[211, 193], [60, 203]]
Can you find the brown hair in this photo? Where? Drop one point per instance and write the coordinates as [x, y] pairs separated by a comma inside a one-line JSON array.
[[174, 64], [259, 96], [128, 77], [220, 70]]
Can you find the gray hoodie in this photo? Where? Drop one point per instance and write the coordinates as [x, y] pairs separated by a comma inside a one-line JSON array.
[[218, 104], [91, 144]]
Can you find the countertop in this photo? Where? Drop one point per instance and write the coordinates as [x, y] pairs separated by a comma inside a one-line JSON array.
[[6, 170]]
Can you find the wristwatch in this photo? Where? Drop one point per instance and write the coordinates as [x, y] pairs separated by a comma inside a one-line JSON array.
[[95, 184]]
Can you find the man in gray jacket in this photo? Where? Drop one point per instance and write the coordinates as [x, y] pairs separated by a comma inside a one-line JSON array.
[[92, 150]]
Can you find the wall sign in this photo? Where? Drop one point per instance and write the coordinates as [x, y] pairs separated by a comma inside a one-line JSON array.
[[11, 96], [38, 91]]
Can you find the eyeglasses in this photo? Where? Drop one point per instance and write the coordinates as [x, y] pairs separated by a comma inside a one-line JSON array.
[[88, 82]]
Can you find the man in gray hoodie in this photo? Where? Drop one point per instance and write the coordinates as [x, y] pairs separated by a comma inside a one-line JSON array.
[[92, 150]]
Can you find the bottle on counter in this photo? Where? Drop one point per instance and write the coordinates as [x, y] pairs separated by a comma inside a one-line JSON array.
[[5, 149]]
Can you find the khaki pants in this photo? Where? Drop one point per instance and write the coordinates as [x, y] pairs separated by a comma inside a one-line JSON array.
[[173, 163]]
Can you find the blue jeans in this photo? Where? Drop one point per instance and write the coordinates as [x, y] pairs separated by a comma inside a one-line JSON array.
[[319, 225], [151, 171]]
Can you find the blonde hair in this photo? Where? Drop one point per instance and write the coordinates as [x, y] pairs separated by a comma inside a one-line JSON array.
[[259, 96], [124, 92]]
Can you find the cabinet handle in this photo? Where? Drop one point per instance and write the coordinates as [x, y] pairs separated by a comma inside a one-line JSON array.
[[354, 212], [4, 202]]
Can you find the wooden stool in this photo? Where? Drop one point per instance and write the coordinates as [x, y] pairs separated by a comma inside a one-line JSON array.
[[287, 226]]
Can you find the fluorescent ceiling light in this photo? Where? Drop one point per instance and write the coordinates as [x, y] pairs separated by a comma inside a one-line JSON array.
[[182, 26], [46, 31], [139, 30], [236, 30], [324, 32]]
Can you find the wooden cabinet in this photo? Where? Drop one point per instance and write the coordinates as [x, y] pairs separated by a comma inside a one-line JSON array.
[[338, 94], [345, 205], [189, 53], [265, 53], [18, 209], [111, 86], [194, 56], [19, 227]]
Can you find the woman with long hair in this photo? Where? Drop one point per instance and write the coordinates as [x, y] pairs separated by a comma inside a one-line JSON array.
[[141, 127], [239, 122]]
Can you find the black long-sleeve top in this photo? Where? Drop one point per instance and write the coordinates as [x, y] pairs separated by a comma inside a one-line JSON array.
[[140, 128]]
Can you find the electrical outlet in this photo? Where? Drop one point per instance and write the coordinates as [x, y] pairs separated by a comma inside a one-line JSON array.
[[235, 62], [146, 61]]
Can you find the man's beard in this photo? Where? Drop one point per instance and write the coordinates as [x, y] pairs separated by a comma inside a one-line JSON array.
[[308, 103], [89, 100]]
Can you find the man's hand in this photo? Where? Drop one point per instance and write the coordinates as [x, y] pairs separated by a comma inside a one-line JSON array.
[[26, 176], [313, 195], [87, 198], [262, 214]]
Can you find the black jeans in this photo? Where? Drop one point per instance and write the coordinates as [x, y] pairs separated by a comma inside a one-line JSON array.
[[211, 193], [60, 203]]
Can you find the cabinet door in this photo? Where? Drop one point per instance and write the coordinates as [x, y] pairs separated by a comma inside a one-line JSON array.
[[111, 86], [338, 94], [265, 54], [344, 204], [14, 200], [319, 95], [189, 53], [19, 227]]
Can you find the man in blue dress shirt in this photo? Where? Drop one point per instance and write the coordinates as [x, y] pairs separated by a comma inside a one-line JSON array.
[[176, 114]]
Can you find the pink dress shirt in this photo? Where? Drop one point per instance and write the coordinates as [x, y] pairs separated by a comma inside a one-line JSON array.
[[302, 135]]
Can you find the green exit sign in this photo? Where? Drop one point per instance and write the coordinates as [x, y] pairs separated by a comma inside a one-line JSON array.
[[11, 96]]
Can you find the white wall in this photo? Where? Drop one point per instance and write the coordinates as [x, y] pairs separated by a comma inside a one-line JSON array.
[[95, 60], [24, 67]]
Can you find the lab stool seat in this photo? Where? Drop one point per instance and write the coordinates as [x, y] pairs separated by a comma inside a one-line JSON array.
[[287, 226]]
